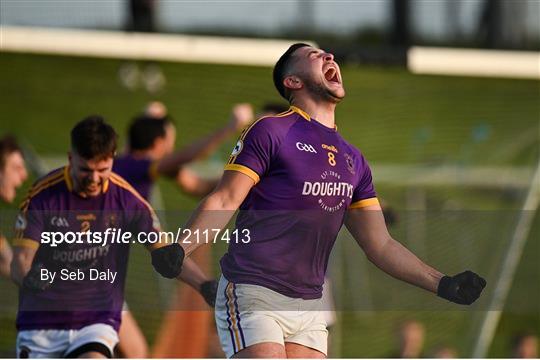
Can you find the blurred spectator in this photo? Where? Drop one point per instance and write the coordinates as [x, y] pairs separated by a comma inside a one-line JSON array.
[[525, 346], [445, 352], [411, 340]]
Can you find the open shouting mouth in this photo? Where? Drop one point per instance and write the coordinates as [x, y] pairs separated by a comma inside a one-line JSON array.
[[331, 74]]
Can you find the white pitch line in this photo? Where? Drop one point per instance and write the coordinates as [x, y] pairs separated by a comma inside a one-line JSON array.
[[474, 62], [142, 46]]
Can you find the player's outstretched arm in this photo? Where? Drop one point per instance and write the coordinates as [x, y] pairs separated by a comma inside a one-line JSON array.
[[193, 184], [241, 116], [214, 212], [368, 228], [193, 275]]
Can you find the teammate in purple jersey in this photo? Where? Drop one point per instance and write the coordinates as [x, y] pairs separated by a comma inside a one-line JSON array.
[[66, 315], [296, 181], [151, 153]]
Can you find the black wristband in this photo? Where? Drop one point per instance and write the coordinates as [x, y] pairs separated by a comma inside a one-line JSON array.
[[444, 287], [168, 260], [209, 292]]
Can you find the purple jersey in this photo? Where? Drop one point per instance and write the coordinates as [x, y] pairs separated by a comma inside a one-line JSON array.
[[139, 172], [306, 177], [52, 206]]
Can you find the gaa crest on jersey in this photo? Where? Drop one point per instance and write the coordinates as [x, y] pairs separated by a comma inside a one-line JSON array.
[[59, 221], [238, 148], [350, 163], [20, 223]]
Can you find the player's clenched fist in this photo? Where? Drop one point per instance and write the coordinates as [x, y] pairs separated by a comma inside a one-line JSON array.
[[209, 292], [241, 116], [463, 288], [167, 260]]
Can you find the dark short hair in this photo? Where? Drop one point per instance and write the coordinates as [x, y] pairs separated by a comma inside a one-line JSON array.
[[93, 138], [144, 130], [281, 67], [8, 145]]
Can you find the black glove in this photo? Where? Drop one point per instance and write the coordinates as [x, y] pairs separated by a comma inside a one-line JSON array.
[[209, 292], [32, 281], [462, 288], [167, 260]]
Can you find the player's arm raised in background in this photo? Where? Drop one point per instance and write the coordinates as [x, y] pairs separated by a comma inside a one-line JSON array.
[[193, 184], [171, 165], [368, 228]]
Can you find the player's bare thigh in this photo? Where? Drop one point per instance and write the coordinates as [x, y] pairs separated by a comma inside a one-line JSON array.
[[268, 350], [132, 342], [295, 351], [91, 355]]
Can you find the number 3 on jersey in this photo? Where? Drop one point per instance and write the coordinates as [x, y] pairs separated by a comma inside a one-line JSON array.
[[331, 158]]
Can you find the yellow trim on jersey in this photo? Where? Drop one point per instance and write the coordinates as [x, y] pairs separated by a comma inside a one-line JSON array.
[[246, 130], [27, 243], [45, 181], [69, 183], [153, 170], [105, 186], [41, 185], [305, 115], [364, 203], [244, 170], [3, 241], [301, 112], [120, 181]]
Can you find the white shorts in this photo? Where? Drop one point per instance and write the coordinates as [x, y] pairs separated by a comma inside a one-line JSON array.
[[61, 343], [251, 314]]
